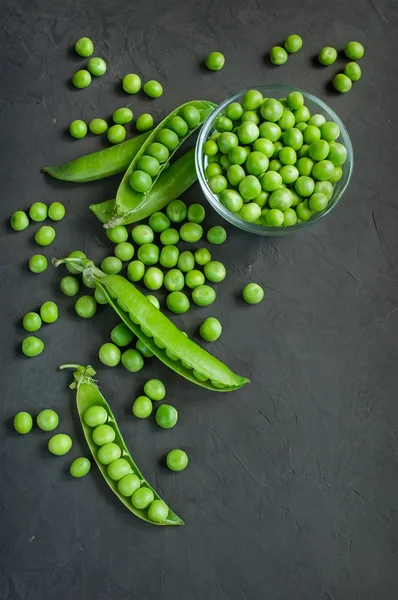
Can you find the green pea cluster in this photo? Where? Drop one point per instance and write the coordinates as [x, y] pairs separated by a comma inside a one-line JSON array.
[[39, 212], [32, 321], [279, 55], [342, 82], [96, 66], [271, 162]]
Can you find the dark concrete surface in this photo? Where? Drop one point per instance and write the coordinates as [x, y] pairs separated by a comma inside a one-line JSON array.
[[292, 488]]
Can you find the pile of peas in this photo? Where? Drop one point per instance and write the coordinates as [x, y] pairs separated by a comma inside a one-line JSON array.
[[271, 162]]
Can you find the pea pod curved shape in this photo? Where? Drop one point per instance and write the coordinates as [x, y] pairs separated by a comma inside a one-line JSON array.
[[150, 325], [171, 184], [87, 395], [98, 165], [126, 197]]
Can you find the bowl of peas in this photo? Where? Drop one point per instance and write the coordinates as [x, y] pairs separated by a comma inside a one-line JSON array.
[[273, 160]]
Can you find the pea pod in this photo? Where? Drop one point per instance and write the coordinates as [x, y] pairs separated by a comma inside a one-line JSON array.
[[172, 183], [88, 395], [126, 198], [157, 332], [99, 165]]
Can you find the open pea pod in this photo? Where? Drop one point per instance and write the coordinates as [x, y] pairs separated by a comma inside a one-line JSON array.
[[87, 396], [99, 165], [164, 140], [158, 333], [172, 183]]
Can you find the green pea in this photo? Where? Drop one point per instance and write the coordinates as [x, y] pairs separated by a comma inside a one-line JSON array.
[[98, 126], [295, 100], [122, 116], [203, 295], [140, 181], [234, 111], [271, 110], [278, 55], [287, 120], [270, 131], [264, 146], [237, 156], [121, 335], [304, 150], [178, 125], [323, 170], [354, 50], [45, 235], [302, 114], [337, 154], [143, 349], [342, 83], [144, 122], [215, 235], [153, 89], [158, 511], [116, 134], [301, 126], [155, 389], [38, 211], [56, 211], [250, 212], [135, 270], [131, 83], [225, 162], [304, 166], [217, 184], [191, 232], [262, 199], [153, 278], [60, 444], [194, 278], [289, 217], [325, 188], [159, 222], [23, 422], [124, 251], [81, 79], [215, 271], [289, 174], [109, 354], [287, 156], [274, 165], [210, 330], [318, 202], [337, 175], [304, 186], [169, 256], [215, 61], [251, 115], [311, 134], [293, 43], [271, 181], [253, 293], [249, 187], [235, 175], [142, 498], [231, 200], [166, 416], [330, 131], [100, 296], [142, 407], [148, 254], [252, 99], [103, 434], [196, 213], [31, 322], [177, 212], [111, 265], [327, 56], [19, 220], [191, 116], [202, 255], [186, 261], [47, 420], [84, 47], [274, 217], [158, 151], [75, 254], [303, 211], [132, 360], [128, 484], [49, 312], [86, 307], [319, 150], [95, 415], [177, 460], [142, 234], [248, 132], [212, 170], [317, 120], [199, 375], [210, 148], [80, 467], [177, 302], [118, 469]]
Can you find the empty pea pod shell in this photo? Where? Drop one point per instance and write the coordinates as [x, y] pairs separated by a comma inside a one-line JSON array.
[[88, 395], [98, 165], [126, 198]]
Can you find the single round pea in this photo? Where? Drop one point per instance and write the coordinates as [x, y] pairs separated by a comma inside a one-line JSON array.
[[177, 302], [234, 111], [144, 122], [215, 61], [251, 115], [318, 202], [103, 434], [121, 335], [143, 349], [342, 83], [304, 166], [81, 79], [168, 138], [215, 235], [191, 232], [142, 498], [111, 265], [176, 211], [271, 110], [287, 120], [124, 251], [155, 389], [97, 67], [289, 174], [19, 220], [23, 422], [31, 322], [231, 200], [153, 89], [215, 271], [60, 444], [98, 126], [119, 468], [223, 125], [166, 416], [235, 175], [227, 141], [303, 211], [140, 181], [271, 181], [354, 50], [153, 278], [202, 255], [311, 134], [293, 43], [253, 293], [191, 116], [252, 99], [56, 211], [281, 199], [237, 155], [49, 312], [122, 116], [337, 175], [295, 100], [293, 138], [304, 186], [135, 270], [80, 467], [177, 460], [142, 407], [325, 188], [250, 212], [196, 213], [38, 263], [217, 184], [100, 296], [330, 131], [274, 217], [132, 360], [225, 162], [302, 114], [158, 511], [159, 222], [249, 187], [337, 154], [86, 307], [158, 151], [323, 170], [287, 156], [47, 420], [71, 267], [203, 295], [84, 47], [210, 330], [270, 131], [186, 261], [301, 126], [109, 354], [194, 278], [248, 132], [278, 55], [327, 56], [212, 170], [116, 134], [38, 211], [131, 83], [148, 254], [142, 234], [262, 199], [95, 415], [169, 256], [45, 235], [317, 120], [264, 146], [319, 150], [289, 217], [128, 484], [210, 148], [256, 163]]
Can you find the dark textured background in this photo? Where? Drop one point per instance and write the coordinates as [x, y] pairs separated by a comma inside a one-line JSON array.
[[291, 492]]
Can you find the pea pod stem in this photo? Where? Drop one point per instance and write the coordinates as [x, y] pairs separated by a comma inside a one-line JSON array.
[[87, 396]]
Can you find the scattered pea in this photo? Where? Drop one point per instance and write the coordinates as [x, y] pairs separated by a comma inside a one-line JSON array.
[[177, 460], [23, 422], [142, 407], [49, 312], [342, 83], [60, 444], [153, 89], [109, 354], [86, 307], [131, 83], [96, 66], [278, 55], [327, 56], [38, 263], [353, 71], [253, 293], [80, 467], [47, 419], [98, 126], [166, 416], [210, 330], [132, 360], [19, 220], [215, 61], [293, 43], [81, 79], [116, 134], [38, 212], [84, 47], [354, 50], [45, 235], [56, 211]]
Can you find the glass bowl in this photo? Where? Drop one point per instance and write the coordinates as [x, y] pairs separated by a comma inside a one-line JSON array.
[[316, 106]]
